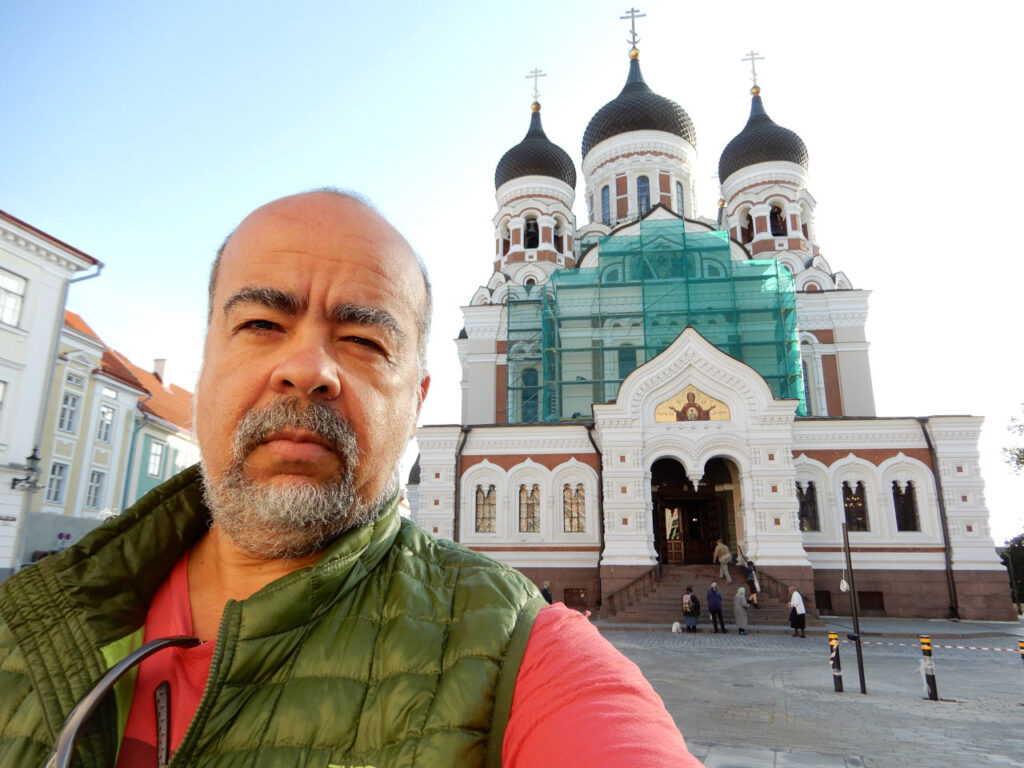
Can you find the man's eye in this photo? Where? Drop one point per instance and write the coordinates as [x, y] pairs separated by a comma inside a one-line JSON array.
[[259, 325], [363, 342]]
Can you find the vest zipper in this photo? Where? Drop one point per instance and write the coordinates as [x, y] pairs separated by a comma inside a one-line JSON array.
[[183, 755]]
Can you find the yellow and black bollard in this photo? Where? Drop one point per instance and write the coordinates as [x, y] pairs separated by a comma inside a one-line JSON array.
[[928, 668], [837, 668], [1021, 644]]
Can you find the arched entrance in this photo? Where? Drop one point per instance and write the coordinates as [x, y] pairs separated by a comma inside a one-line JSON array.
[[688, 520]]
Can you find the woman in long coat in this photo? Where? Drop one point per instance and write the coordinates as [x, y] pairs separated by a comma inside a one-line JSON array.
[[739, 610]]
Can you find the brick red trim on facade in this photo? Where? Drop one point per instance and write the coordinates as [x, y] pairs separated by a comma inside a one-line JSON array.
[[875, 455], [636, 154], [549, 460], [500, 394], [833, 394], [824, 336]]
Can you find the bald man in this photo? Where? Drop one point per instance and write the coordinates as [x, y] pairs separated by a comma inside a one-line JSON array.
[[331, 632]]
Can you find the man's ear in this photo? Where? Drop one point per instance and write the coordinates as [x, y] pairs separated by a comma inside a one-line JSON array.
[[421, 395]]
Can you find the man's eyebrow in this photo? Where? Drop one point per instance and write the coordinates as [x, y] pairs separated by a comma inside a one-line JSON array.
[[271, 298], [369, 316]]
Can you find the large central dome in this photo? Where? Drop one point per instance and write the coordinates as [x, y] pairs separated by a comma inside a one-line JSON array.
[[637, 108]]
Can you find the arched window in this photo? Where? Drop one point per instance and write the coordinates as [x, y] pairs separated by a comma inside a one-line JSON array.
[[531, 394], [855, 506], [485, 506], [643, 194], [778, 223], [573, 508], [558, 235], [679, 198], [808, 514], [529, 509], [606, 205], [905, 502], [532, 237], [747, 229]]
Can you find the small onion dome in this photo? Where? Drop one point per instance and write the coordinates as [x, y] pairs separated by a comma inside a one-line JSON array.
[[637, 108], [414, 473], [535, 155], [760, 141]]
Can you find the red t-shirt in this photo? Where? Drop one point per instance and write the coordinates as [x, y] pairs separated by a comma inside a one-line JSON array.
[[577, 700]]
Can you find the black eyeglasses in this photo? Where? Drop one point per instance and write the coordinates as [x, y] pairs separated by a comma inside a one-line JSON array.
[[82, 711]]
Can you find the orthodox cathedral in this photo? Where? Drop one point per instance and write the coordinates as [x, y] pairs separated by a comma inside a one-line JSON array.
[[646, 381]]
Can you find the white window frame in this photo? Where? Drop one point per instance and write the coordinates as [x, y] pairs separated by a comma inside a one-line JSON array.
[[12, 302], [94, 493], [156, 451], [56, 482], [105, 427], [69, 413]]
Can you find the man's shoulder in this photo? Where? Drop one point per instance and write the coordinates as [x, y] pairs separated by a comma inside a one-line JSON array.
[[453, 562]]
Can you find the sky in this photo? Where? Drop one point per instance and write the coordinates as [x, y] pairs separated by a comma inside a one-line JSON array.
[[142, 133]]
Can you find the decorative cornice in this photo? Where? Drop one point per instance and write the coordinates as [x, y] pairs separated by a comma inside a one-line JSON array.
[[50, 256]]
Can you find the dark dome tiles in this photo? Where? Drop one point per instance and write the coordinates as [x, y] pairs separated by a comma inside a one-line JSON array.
[[535, 155], [761, 141]]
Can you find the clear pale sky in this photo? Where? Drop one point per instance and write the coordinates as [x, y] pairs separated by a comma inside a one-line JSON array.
[[142, 133]]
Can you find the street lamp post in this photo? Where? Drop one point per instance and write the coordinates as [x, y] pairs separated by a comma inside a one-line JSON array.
[[855, 637]]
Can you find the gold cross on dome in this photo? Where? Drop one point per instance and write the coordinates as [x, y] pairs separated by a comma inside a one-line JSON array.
[[536, 74], [753, 57], [633, 14]]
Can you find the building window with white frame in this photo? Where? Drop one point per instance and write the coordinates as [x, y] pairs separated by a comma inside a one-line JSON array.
[[105, 428], [12, 297], [679, 198], [573, 509], [606, 206], [56, 483], [904, 499], [529, 509], [156, 459], [485, 509], [643, 195], [807, 496], [855, 506], [69, 413], [94, 494]]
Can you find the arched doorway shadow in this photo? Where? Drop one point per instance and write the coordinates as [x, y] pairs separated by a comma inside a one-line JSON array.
[[687, 520]]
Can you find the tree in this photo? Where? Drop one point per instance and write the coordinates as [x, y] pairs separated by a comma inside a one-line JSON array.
[[1014, 454], [1012, 555]]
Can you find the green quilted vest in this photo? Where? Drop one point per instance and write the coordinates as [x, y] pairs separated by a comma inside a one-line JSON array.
[[393, 650]]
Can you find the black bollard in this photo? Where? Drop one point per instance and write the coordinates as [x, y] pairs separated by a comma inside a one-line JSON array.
[[929, 668], [833, 656]]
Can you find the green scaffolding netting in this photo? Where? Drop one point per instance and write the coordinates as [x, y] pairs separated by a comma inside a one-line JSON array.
[[572, 340]]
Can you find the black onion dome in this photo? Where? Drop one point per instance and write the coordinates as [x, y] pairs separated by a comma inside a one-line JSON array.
[[535, 155], [637, 108], [760, 141], [414, 473]]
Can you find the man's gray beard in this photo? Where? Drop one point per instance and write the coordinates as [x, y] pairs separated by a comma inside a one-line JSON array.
[[270, 521]]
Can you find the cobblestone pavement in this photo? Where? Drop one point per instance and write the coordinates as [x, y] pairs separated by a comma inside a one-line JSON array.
[[768, 700]]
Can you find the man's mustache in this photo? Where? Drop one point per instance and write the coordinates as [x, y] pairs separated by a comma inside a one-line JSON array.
[[291, 413]]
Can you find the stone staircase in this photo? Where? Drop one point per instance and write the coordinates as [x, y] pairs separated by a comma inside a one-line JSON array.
[[660, 602]]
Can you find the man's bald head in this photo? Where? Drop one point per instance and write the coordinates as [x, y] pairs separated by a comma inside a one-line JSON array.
[[424, 317]]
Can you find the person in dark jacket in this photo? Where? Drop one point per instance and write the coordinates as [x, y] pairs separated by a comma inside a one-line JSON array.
[[545, 592], [715, 608]]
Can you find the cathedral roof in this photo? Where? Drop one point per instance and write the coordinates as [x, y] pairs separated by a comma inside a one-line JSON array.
[[637, 108], [535, 155], [760, 141]]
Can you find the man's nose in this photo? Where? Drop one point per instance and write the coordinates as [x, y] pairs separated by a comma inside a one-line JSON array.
[[307, 369]]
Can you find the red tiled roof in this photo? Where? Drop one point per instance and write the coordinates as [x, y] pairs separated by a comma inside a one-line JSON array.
[[74, 321], [169, 401]]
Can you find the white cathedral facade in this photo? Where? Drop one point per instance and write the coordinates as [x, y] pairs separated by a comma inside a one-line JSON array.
[[639, 384]]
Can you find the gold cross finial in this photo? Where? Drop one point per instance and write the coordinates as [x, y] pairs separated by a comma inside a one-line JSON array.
[[753, 57], [536, 74], [633, 14]]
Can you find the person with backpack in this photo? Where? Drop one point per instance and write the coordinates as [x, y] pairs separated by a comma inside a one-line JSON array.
[[691, 609]]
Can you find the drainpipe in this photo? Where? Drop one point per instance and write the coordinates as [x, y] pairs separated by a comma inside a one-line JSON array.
[[600, 506], [131, 451], [954, 605], [458, 478]]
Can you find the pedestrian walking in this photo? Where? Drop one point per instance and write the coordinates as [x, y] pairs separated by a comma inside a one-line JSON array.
[[797, 613], [753, 585], [722, 556], [691, 610], [715, 607], [546, 592], [739, 610]]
